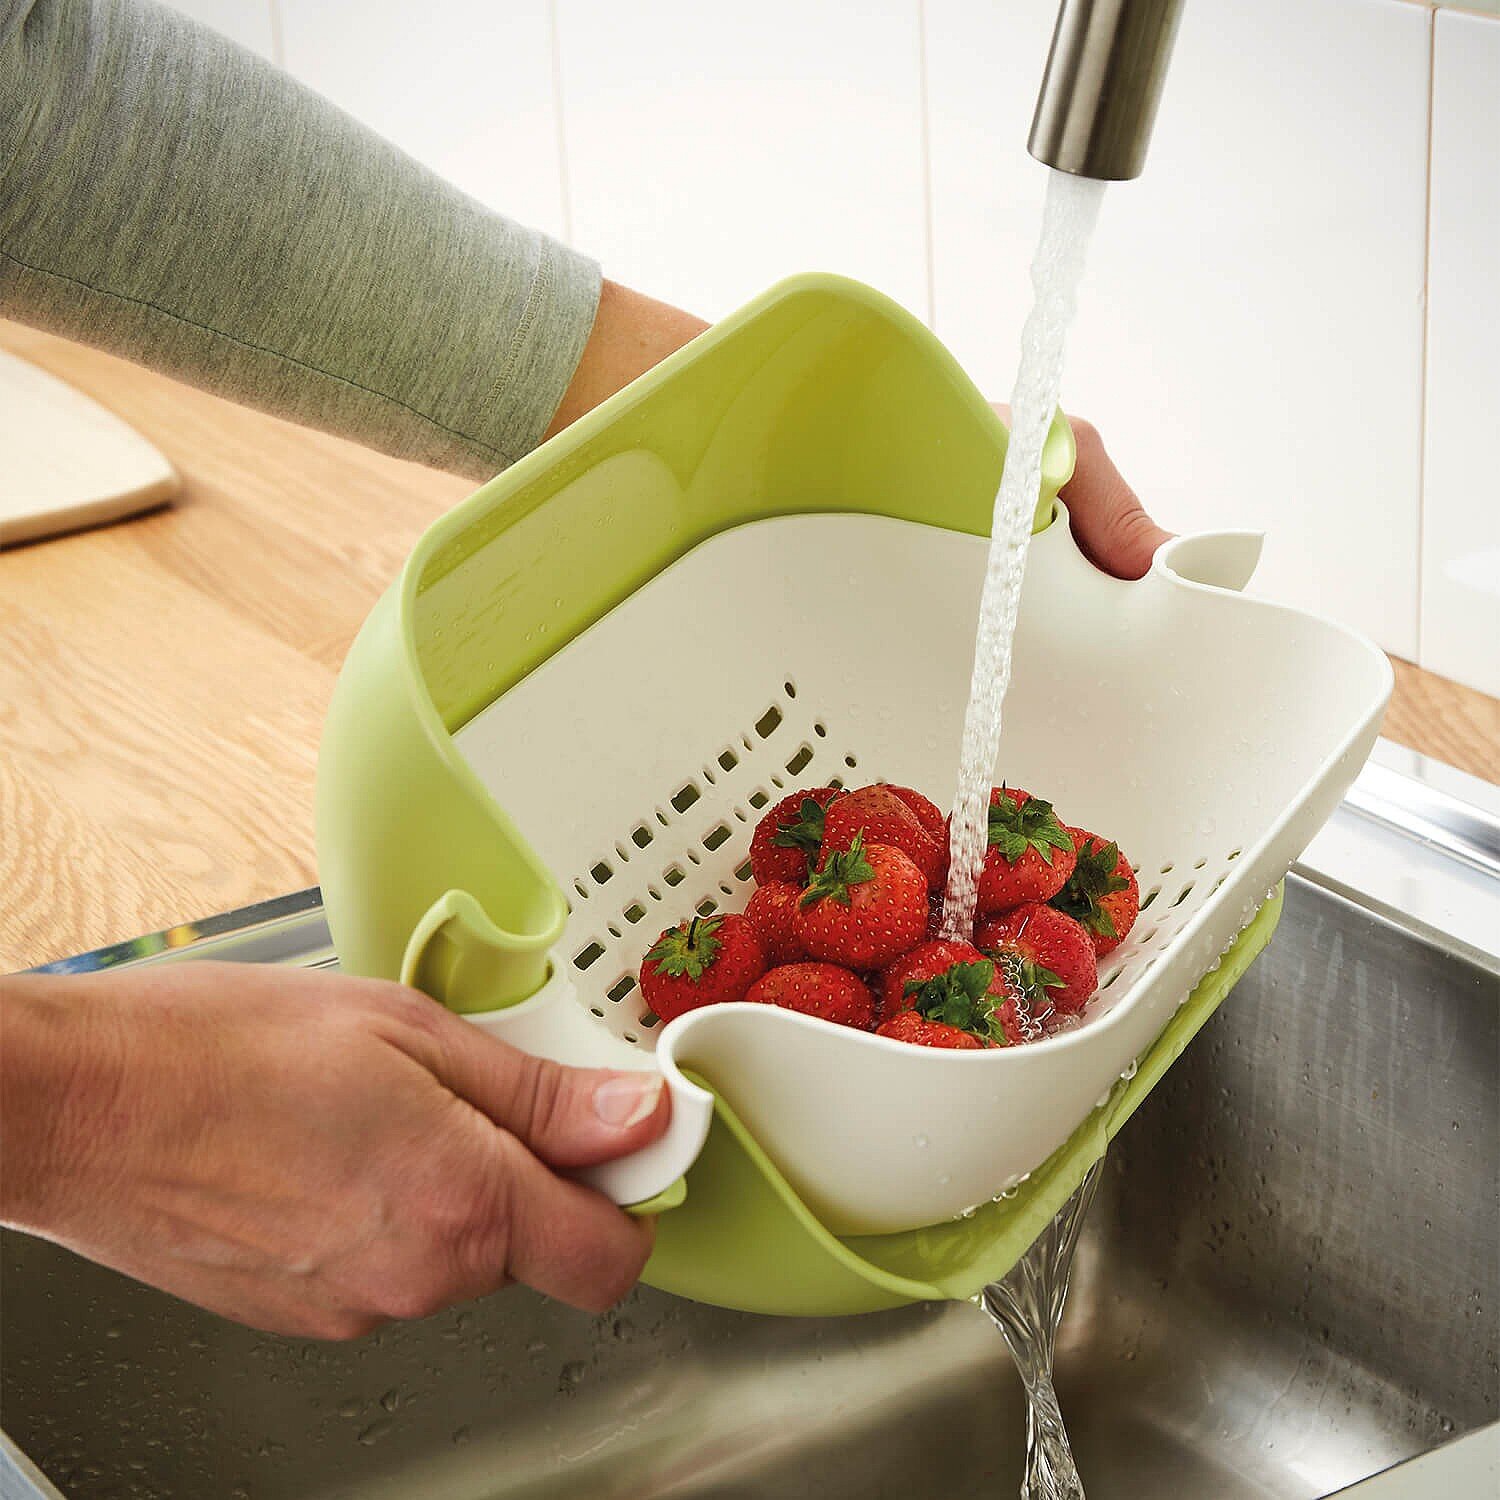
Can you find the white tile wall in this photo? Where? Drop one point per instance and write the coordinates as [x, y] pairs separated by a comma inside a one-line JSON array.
[[712, 149], [1249, 335], [465, 86], [1461, 511], [249, 22]]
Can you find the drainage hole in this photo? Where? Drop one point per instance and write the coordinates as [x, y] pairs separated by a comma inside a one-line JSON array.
[[590, 955]]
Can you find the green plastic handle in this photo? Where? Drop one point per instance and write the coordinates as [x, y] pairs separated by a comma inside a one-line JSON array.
[[459, 957]]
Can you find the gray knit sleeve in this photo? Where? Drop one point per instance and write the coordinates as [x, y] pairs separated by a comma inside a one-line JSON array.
[[169, 196]]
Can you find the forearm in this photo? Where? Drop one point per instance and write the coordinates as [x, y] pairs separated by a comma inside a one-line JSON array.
[[173, 198], [631, 334], [47, 1045]]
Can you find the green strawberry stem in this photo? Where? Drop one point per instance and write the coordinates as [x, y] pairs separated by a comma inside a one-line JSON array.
[[841, 871], [1027, 979], [1033, 825], [1093, 879], [960, 996], [688, 952], [805, 832]]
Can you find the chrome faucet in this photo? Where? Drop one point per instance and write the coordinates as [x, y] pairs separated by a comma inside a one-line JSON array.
[[1102, 85]]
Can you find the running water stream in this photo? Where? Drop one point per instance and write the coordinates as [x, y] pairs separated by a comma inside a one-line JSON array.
[[1027, 1304], [1067, 223]]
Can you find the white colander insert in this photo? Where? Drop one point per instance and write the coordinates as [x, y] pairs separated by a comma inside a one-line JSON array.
[[1210, 734]]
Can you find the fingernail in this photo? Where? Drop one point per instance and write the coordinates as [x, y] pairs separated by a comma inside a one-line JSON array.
[[628, 1098]]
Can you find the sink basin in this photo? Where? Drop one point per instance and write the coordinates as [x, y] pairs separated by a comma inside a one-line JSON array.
[[1288, 1283]]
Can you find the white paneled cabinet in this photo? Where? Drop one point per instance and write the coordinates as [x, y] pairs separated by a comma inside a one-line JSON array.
[[1461, 496], [1249, 335], [465, 86], [712, 149]]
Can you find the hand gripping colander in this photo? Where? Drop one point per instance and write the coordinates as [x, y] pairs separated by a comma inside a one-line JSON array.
[[756, 568]]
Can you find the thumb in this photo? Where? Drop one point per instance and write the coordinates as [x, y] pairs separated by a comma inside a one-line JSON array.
[[568, 1117], [1109, 521]]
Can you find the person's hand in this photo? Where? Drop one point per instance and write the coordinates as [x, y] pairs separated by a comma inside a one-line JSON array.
[[309, 1153], [1109, 523]]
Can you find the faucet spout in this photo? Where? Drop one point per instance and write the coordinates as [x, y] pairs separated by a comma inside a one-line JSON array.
[[1102, 85]]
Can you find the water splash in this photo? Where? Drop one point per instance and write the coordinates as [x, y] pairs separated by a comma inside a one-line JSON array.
[[1067, 223]]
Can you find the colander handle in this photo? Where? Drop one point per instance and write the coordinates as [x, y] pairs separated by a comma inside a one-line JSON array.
[[448, 949]]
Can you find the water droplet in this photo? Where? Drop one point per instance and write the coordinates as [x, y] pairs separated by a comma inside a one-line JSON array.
[[919, 1141], [460, 1436], [377, 1429]]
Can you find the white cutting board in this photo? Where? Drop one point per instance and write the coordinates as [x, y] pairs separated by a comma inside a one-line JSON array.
[[65, 461]]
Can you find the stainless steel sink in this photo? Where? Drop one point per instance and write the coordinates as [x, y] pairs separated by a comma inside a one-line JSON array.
[[1288, 1283]]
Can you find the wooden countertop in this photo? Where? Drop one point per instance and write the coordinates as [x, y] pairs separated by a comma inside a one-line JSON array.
[[163, 681]]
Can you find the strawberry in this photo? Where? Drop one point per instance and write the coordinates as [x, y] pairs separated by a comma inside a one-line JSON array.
[[935, 914], [787, 839], [864, 905], [957, 990], [1030, 854], [1101, 893], [933, 821], [823, 990], [917, 1029], [770, 911], [925, 961], [1048, 956], [883, 818], [927, 813], [703, 962]]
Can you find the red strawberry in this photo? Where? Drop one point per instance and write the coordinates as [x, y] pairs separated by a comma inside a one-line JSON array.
[[883, 818], [770, 911], [703, 962], [960, 990], [926, 812], [1101, 893], [933, 821], [925, 961], [865, 905], [1030, 854], [787, 839], [823, 990], [934, 914], [917, 1029], [1048, 956]]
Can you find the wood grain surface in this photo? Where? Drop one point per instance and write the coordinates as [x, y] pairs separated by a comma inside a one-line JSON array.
[[163, 681]]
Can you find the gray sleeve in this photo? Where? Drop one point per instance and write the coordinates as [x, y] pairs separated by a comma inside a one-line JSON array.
[[168, 196]]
